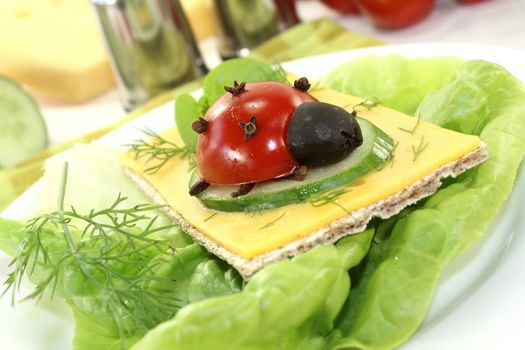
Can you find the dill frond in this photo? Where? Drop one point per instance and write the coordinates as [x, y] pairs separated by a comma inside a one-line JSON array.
[[112, 253], [157, 149], [411, 131], [368, 103], [329, 197], [271, 223], [416, 151]]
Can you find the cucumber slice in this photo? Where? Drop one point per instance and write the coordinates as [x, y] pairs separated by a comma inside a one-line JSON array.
[[375, 150], [22, 129]]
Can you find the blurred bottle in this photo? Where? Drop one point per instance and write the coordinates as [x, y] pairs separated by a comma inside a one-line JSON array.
[[151, 47], [248, 23]]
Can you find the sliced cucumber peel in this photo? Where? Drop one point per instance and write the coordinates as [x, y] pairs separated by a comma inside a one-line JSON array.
[[22, 129], [376, 149]]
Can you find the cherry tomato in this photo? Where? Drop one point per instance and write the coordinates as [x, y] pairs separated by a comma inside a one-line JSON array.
[[227, 155], [342, 6], [395, 14]]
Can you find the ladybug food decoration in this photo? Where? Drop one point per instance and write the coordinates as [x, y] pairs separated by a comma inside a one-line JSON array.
[[268, 130]]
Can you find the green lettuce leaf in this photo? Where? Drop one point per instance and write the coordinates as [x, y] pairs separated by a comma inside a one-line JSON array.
[[239, 69], [95, 179], [174, 270], [311, 38], [91, 333], [397, 82], [186, 111], [196, 276], [400, 273], [393, 286], [288, 305], [10, 235]]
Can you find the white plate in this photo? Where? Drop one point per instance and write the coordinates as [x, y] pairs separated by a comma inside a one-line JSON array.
[[479, 302]]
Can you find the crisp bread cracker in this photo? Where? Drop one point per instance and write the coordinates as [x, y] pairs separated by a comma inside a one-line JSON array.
[[353, 222]]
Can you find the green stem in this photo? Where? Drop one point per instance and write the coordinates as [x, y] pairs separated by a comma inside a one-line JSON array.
[[61, 197]]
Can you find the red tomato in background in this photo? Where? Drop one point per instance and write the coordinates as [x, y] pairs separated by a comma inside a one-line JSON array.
[[342, 6], [395, 14], [224, 157], [469, 1]]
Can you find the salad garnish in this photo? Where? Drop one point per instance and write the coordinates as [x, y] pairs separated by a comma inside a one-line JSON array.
[[411, 131], [210, 217], [419, 149], [271, 223], [368, 103], [330, 197], [90, 251], [390, 158], [156, 148]]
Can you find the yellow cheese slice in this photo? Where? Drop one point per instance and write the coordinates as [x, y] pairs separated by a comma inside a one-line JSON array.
[[251, 234], [56, 48]]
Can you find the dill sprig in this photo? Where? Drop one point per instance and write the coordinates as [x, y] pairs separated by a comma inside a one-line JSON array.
[[411, 131], [368, 103], [211, 217], [158, 149], [329, 197], [110, 252], [390, 158], [419, 149], [271, 223]]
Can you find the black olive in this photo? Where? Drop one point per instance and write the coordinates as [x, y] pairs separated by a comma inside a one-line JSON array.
[[320, 133]]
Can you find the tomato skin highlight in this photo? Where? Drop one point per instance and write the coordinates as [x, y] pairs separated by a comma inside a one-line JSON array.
[[395, 14], [224, 157]]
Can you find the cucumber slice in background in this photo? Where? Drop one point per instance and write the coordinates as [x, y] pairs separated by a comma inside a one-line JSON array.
[[375, 150], [23, 131]]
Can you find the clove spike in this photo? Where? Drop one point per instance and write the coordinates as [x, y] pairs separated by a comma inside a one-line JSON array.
[[299, 173], [200, 125], [302, 84], [249, 128], [199, 187], [243, 189], [236, 89]]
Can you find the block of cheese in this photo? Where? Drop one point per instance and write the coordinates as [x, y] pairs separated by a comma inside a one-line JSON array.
[[54, 47], [249, 241]]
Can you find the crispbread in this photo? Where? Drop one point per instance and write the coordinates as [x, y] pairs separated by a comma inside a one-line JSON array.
[[351, 223]]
